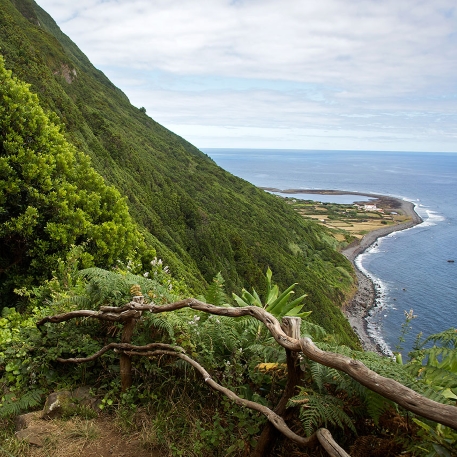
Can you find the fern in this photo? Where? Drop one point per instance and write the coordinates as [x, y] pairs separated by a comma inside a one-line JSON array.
[[104, 286], [215, 293], [75, 301], [376, 404], [159, 322], [319, 410], [12, 406], [325, 375], [311, 330], [114, 288], [448, 339], [437, 365]]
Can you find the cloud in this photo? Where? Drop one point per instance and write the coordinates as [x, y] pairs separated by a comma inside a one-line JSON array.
[[262, 63]]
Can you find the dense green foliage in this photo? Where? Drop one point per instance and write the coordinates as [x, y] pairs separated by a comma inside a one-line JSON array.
[[50, 196], [200, 219], [91, 190], [185, 418]]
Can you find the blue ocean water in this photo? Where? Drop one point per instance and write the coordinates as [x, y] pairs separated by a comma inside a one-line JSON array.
[[410, 268]]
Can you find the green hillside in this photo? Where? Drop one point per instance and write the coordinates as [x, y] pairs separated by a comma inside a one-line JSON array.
[[200, 219]]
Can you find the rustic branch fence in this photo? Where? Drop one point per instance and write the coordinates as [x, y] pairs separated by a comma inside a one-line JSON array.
[[288, 336]]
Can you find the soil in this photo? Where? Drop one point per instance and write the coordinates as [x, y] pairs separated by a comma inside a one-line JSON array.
[[77, 437]]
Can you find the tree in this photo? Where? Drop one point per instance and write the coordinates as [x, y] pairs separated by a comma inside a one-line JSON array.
[[50, 196]]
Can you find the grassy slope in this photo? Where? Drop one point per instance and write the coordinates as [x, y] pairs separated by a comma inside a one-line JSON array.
[[200, 218]]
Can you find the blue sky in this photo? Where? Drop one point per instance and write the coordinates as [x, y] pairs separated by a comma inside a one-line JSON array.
[[314, 74]]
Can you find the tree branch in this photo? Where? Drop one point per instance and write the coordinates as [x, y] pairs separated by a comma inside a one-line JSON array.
[[101, 315], [122, 347], [276, 420], [388, 388], [329, 444]]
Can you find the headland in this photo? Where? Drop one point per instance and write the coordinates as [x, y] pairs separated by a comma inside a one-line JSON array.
[[364, 299], [359, 305]]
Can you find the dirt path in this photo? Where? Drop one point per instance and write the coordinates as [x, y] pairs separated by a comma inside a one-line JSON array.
[[78, 437]]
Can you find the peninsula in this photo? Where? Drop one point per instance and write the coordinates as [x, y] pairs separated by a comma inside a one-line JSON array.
[[377, 216]]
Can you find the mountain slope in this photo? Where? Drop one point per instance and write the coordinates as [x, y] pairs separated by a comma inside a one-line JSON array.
[[198, 217]]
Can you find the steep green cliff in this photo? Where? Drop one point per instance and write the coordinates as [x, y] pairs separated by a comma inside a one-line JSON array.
[[199, 218]]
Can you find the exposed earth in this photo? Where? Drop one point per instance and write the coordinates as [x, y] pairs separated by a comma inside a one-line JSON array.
[[77, 437]]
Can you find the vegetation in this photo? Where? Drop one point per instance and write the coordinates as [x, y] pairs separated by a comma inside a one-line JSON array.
[[198, 218], [51, 198], [236, 355], [93, 195]]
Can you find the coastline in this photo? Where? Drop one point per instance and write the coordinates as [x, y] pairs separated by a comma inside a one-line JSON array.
[[363, 300]]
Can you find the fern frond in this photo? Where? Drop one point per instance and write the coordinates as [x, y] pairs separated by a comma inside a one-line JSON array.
[[77, 301], [114, 288], [159, 322], [448, 339], [272, 354], [310, 330], [376, 405], [318, 410], [215, 293], [325, 375], [13, 406]]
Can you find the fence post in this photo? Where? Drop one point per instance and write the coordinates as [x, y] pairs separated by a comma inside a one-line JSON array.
[[267, 439], [125, 363]]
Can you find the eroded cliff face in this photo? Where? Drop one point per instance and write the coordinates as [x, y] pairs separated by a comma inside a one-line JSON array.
[[69, 74]]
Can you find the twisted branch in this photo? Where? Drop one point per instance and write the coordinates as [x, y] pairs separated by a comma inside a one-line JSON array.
[[322, 435], [388, 388], [276, 420], [117, 347]]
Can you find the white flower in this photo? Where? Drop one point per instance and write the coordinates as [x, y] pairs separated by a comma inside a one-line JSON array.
[[146, 274]]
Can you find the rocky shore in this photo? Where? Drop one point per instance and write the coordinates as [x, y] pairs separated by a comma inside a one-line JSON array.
[[364, 299]]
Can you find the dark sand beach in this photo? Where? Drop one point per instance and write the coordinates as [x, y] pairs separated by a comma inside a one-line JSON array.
[[364, 298], [357, 309]]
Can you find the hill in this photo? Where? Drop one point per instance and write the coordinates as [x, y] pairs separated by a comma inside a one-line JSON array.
[[199, 218]]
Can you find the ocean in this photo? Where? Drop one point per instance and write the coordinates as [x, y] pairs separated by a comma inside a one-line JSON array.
[[411, 268]]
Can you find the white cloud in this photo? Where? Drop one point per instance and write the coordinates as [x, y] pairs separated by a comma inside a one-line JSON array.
[[334, 64]]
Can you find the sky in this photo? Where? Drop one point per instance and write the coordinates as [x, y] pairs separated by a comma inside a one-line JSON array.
[[280, 74]]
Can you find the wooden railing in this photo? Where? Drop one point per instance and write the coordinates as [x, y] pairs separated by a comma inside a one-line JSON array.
[[288, 336]]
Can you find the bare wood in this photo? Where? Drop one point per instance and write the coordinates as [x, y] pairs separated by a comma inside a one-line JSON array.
[[388, 388], [270, 434], [329, 444], [291, 326], [120, 347], [274, 418], [177, 351], [125, 362], [101, 315], [393, 390]]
